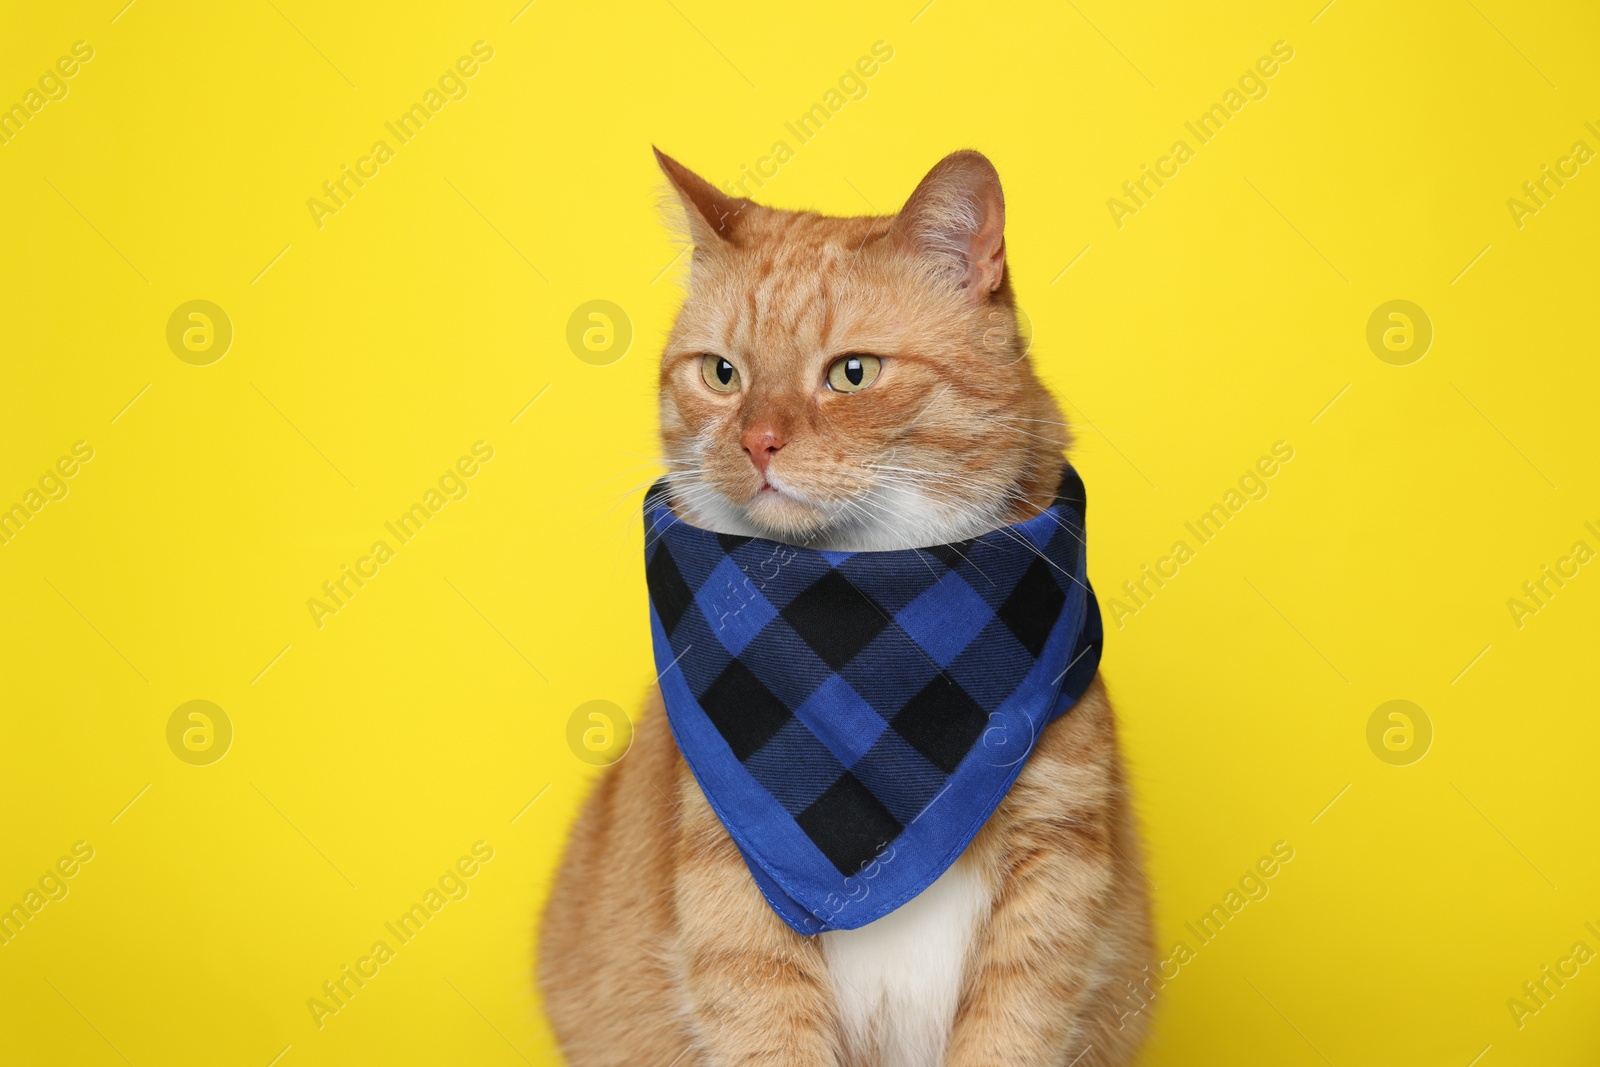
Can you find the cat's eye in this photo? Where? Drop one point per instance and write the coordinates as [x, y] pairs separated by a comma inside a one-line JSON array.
[[721, 375], [853, 373]]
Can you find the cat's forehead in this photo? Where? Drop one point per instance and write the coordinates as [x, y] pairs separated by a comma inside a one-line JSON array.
[[794, 280], [796, 244]]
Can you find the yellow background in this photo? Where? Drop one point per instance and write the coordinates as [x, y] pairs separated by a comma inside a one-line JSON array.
[[425, 716]]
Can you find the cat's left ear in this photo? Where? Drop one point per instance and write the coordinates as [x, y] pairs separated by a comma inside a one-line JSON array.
[[957, 218], [712, 214]]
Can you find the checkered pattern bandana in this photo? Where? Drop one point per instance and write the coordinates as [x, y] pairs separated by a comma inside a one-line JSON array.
[[854, 717]]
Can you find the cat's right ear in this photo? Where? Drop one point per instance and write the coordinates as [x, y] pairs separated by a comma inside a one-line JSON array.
[[713, 215], [957, 219]]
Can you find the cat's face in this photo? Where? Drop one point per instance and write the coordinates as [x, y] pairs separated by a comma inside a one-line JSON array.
[[854, 383]]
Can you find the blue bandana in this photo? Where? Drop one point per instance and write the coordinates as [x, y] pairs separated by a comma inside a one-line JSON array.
[[855, 717]]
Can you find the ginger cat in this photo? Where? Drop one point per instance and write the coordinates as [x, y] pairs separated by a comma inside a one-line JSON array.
[[656, 946]]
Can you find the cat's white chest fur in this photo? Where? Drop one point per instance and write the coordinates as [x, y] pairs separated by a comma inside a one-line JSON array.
[[897, 981]]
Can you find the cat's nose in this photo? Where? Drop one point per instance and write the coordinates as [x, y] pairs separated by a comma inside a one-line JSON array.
[[760, 441]]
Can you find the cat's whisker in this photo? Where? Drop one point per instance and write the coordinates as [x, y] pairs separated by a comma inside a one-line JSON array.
[[1017, 429], [648, 481], [1047, 422], [1023, 540]]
